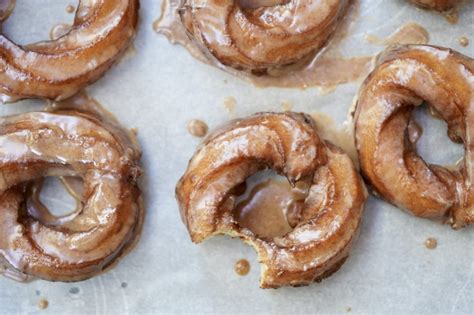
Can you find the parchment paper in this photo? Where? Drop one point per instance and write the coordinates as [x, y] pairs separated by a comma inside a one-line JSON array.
[[158, 89]]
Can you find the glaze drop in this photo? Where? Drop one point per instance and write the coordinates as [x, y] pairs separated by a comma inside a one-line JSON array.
[[43, 304], [197, 128], [463, 41], [242, 267], [431, 243]]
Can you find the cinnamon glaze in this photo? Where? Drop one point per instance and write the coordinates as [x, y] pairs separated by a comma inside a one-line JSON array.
[[72, 139]]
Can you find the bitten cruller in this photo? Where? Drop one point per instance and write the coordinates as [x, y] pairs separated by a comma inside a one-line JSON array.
[[58, 69], [246, 36], [405, 77], [288, 143], [72, 143]]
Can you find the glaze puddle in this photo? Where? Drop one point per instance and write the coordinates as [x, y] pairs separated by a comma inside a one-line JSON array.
[[270, 207]]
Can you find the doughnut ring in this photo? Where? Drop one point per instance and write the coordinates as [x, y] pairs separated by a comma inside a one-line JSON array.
[[67, 143], [439, 5], [288, 143], [243, 36], [58, 69], [404, 78]]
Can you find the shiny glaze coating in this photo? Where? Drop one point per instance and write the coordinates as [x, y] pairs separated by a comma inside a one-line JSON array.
[[67, 143], [288, 143], [57, 69], [274, 34], [439, 5], [404, 78]]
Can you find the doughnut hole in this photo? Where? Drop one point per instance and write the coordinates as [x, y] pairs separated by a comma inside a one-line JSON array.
[[54, 200], [434, 145], [268, 205], [39, 23]]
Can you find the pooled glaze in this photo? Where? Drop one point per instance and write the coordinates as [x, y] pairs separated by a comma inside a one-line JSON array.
[[6, 8], [67, 142], [269, 209], [405, 77], [324, 69], [287, 143], [83, 102], [410, 33], [439, 5], [57, 69]]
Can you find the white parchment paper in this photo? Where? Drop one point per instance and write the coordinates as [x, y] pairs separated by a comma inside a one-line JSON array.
[[158, 89]]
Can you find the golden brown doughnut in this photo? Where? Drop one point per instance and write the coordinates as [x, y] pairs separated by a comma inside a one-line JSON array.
[[404, 78], [439, 5], [243, 36], [287, 143], [58, 69], [67, 143]]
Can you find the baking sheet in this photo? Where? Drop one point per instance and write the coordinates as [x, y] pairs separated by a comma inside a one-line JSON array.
[[158, 89]]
